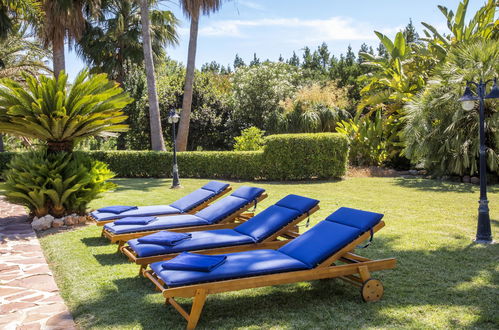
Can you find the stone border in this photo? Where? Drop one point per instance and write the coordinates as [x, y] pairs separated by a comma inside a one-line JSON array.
[[29, 296]]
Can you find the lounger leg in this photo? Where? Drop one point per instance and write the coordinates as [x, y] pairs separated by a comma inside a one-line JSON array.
[[371, 289], [120, 244], [141, 270], [197, 308]]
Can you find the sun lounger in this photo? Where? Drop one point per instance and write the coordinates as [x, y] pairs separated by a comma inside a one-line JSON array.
[[191, 203], [324, 251], [268, 229], [224, 213]]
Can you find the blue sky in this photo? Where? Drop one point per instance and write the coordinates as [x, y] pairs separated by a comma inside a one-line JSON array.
[[275, 27]]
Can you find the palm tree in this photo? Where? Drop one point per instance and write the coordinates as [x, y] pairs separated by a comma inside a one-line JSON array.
[[64, 19], [19, 53], [157, 141], [112, 41], [192, 9], [13, 11]]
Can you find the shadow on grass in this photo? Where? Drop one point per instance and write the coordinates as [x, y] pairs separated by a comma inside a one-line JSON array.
[[109, 259], [429, 282], [442, 186], [95, 241], [143, 184]]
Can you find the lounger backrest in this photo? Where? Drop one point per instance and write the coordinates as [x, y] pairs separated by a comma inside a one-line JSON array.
[[330, 235], [275, 217], [228, 205], [199, 196]]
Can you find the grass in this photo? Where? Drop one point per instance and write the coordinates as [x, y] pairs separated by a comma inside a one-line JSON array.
[[442, 279]]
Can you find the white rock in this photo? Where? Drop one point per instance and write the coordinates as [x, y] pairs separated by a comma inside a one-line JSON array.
[[42, 223], [70, 220], [58, 223]]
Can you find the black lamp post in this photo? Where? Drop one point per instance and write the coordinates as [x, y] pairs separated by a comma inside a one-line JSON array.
[[484, 233], [173, 119]]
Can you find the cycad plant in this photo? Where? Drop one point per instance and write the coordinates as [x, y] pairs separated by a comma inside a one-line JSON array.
[[56, 183], [49, 110], [439, 133]]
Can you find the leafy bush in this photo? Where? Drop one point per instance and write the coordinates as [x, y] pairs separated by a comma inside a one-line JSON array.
[[304, 156], [55, 183], [257, 91], [439, 133], [251, 139], [315, 108], [371, 139], [50, 110]]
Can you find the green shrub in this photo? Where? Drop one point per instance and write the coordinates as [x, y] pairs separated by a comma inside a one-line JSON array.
[[286, 157], [304, 156], [55, 183], [251, 139]]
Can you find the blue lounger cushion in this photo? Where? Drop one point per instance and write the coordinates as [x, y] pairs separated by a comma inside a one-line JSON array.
[[116, 209], [199, 240], [363, 220], [194, 262], [276, 217], [182, 205], [255, 230], [228, 205], [135, 220], [318, 243], [210, 215], [242, 264], [167, 238], [141, 211], [173, 221]]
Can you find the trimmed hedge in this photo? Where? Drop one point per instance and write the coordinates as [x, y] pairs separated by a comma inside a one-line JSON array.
[[285, 157], [304, 156]]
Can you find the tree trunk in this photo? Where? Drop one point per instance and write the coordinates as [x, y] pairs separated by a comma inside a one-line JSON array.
[[1, 143], [157, 142], [185, 115], [59, 62]]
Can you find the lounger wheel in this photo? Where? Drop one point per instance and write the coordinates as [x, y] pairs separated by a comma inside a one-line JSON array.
[[372, 290]]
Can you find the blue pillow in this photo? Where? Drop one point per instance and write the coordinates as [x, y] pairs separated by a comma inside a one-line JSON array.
[[168, 238], [248, 193], [135, 220], [195, 262], [363, 220], [299, 203], [215, 186], [117, 209]]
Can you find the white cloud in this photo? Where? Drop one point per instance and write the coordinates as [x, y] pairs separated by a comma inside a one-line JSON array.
[[250, 4], [299, 30]]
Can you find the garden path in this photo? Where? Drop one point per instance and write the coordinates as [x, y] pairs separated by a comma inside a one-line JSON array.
[[29, 297]]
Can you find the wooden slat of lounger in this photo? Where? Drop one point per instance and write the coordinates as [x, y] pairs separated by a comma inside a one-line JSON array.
[[191, 211], [274, 279], [226, 223], [270, 242]]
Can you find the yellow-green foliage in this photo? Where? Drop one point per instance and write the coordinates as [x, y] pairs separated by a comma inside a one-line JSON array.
[[56, 183]]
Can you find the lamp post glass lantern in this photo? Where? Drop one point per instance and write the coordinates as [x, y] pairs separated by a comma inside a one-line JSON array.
[[484, 233], [173, 119]]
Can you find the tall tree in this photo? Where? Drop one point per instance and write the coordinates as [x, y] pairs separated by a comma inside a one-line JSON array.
[[112, 41], [14, 11], [255, 60], [64, 19], [157, 141], [238, 62], [192, 9]]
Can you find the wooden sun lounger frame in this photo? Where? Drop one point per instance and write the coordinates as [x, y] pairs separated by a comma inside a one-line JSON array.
[[272, 242], [229, 222], [191, 211], [353, 269]]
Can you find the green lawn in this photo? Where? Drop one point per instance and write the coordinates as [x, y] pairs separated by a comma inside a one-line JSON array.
[[442, 280]]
